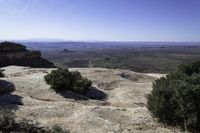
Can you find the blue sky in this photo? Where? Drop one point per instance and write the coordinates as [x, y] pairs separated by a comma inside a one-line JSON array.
[[101, 20]]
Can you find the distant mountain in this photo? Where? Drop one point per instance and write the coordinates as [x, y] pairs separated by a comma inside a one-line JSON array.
[[45, 40]]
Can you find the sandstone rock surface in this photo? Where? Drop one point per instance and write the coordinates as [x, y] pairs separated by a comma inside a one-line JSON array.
[[123, 111]]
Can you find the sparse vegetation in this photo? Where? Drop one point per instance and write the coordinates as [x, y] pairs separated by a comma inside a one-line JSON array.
[[9, 124], [145, 59], [62, 80], [175, 98], [1, 73], [58, 129]]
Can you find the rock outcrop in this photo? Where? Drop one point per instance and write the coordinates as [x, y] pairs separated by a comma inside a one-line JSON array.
[[17, 54], [9, 47]]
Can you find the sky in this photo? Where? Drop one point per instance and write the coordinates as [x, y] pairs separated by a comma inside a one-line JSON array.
[[101, 20]]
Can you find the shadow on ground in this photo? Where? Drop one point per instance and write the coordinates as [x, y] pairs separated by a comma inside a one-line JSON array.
[[91, 93], [8, 101]]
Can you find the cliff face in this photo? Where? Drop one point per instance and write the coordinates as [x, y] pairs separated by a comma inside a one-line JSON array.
[[17, 54], [7, 47]]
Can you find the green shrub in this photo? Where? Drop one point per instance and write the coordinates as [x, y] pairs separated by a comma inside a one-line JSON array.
[[9, 124], [189, 69], [62, 80], [1, 73], [58, 129], [175, 99]]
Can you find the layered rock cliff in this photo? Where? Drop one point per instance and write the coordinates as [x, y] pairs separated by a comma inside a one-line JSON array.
[[17, 54]]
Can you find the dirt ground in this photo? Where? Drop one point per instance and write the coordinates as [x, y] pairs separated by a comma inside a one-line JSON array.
[[120, 105]]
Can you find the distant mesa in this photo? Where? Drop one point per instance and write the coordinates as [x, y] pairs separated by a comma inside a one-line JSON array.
[[68, 51], [17, 54]]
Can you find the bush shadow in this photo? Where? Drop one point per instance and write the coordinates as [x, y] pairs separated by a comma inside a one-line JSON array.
[[94, 93], [90, 93], [9, 101]]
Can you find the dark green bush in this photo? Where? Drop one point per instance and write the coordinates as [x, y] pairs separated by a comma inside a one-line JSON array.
[[9, 124], [58, 129], [175, 99], [189, 69], [62, 80], [1, 73]]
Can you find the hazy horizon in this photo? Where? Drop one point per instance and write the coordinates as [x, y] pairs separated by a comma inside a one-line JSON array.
[[101, 20], [57, 40]]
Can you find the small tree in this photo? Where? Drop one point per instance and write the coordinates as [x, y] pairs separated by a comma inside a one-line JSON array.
[[62, 80], [175, 98]]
